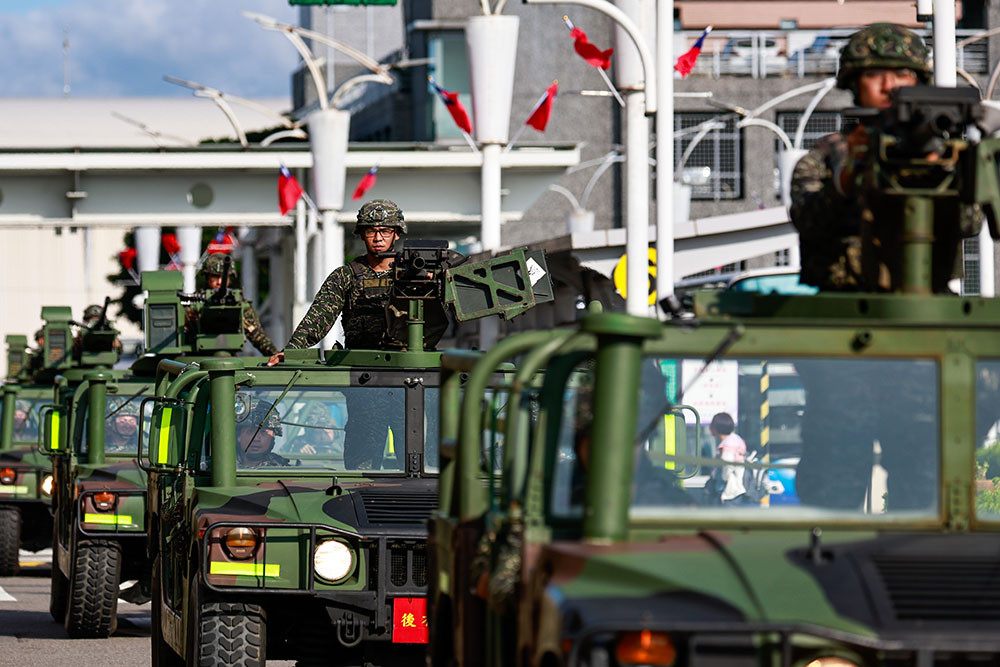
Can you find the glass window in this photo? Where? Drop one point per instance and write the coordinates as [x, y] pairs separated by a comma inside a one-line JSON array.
[[121, 423], [451, 72], [26, 418], [792, 436], [712, 160], [348, 428], [988, 438], [432, 442]]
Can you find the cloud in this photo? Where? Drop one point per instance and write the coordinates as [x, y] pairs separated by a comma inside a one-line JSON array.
[[122, 48]]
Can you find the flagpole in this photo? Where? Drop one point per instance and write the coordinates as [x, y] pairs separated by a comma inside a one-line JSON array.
[[472, 144], [604, 75]]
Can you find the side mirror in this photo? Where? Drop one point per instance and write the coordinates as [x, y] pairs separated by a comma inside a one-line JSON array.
[[52, 436], [164, 434]]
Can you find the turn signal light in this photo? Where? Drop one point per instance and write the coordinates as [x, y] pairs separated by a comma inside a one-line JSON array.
[[645, 648], [241, 542], [7, 476], [104, 500]]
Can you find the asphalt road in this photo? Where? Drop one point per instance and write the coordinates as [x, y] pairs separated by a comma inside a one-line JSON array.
[[29, 636]]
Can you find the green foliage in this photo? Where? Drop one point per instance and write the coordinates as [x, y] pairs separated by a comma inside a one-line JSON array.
[[989, 457], [988, 500]]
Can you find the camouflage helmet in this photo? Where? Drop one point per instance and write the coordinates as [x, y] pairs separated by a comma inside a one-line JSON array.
[[123, 407], [92, 312], [320, 416], [22, 405], [39, 334], [214, 263], [250, 413], [380, 213], [882, 45]]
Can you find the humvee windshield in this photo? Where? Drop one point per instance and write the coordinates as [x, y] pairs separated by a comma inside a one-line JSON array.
[[768, 436], [344, 428], [26, 418], [121, 423]]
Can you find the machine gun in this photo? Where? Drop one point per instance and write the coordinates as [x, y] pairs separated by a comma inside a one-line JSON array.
[[428, 277], [923, 176], [224, 296], [96, 345]]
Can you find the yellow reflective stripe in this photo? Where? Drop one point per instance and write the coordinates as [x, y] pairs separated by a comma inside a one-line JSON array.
[[163, 441], [669, 440], [245, 569], [55, 429], [108, 519], [6, 488], [392, 443]]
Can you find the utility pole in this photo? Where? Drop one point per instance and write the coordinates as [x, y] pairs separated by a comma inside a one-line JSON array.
[[65, 50]]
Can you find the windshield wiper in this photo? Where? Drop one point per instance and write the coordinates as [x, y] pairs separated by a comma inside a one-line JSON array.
[[122, 406], [295, 377], [734, 335]]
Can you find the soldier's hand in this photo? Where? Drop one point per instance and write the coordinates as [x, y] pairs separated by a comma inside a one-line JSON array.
[[276, 358], [307, 449], [858, 142]]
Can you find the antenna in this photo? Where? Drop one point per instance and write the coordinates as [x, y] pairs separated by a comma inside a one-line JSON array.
[[65, 47]]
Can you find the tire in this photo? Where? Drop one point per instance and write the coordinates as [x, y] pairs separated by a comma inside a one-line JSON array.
[[10, 541], [230, 634], [160, 652], [92, 608]]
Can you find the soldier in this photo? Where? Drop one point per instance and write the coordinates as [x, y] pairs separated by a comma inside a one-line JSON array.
[[91, 314], [212, 270], [255, 434], [826, 207], [850, 406], [24, 428], [122, 425], [319, 436], [360, 289]]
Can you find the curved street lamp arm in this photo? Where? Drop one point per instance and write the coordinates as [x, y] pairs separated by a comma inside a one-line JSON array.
[[813, 103], [226, 109], [297, 133], [993, 81], [290, 32], [708, 127], [592, 183], [968, 77], [567, 194], [250, 104], [771, 126], [354, 81]]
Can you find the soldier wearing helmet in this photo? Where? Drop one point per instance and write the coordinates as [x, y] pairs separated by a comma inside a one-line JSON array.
[[319, 435], [121, 425], [91, 317], [256, 430], [212, 269], [25, 428], [826, 209], [360, 289], [91, 314]]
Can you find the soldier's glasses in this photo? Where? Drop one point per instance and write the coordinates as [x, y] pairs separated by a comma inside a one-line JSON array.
[[384, 232]]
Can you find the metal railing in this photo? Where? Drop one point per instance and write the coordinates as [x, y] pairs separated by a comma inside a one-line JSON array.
[[799, 53]]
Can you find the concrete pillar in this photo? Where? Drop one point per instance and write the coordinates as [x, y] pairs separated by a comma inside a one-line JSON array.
[[147, 248], [189, 239]]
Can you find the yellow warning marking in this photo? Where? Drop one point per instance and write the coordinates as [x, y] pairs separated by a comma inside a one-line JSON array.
[[163, 441], [55, 429], [245, 569], [6, 488], [765, 410], [108, 519], [391, 443], [669, 440]]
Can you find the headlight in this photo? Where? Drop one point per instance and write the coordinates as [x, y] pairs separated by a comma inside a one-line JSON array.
[[104, 500], [47, 485], [7, 475], [832, 661], [333, 560], [241, 542]]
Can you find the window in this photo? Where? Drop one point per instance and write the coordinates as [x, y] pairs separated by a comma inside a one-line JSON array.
[[451, 71], [712, 160], [820, 124]]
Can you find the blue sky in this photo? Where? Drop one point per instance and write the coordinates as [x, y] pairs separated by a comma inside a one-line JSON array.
[[122, 48]]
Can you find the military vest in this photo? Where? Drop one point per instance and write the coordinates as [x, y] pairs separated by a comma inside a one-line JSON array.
[[364, 312]]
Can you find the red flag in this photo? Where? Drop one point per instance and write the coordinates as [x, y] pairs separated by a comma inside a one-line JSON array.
[[455, 108], [223, 243], [127, 258], [593, 55], [685, 63], [366, 182], [170, 244], [289, 191], [539, 117]]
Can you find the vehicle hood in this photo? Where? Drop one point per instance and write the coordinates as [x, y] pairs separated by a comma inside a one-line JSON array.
[[124, 475], [868, 585]]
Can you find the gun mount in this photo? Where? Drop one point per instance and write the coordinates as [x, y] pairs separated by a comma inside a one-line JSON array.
[[428, 277]]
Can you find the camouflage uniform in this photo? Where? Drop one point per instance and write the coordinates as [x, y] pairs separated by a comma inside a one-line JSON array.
[[114, 439], [252, 328], [261, 415], [832, 225], [356, 290]]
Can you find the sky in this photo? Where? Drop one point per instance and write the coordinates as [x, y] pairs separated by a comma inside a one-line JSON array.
[[123, 48]]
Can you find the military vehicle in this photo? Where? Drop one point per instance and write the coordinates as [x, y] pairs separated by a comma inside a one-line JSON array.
[[865, 534], [25, 475], [288, 504], [100, 508]]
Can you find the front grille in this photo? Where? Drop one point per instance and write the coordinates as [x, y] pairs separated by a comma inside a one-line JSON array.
[[398, 508], [941, 588], [408, 565]]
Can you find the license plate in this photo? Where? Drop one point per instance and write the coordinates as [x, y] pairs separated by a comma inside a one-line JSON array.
[[409, 620]]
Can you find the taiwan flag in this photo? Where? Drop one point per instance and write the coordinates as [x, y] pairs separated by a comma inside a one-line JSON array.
[[593, 55], [366, 182], [455, 108], [223, 243], [686, 62], [289, 191], [539, 117]]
